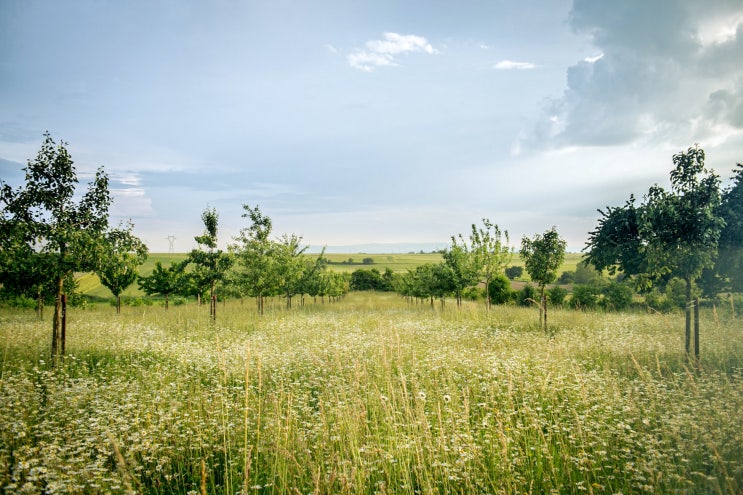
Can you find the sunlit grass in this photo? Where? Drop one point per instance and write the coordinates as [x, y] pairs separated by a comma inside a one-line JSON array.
[[370, 395]]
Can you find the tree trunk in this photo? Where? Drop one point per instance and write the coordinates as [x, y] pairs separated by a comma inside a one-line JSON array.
[[57, 321], [118, 304], [63, 333], [687, 310], [39, 305], [166, 302], [696, 328], [542, 309]]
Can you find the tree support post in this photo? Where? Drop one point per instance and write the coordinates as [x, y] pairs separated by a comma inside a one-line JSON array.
[[64, 324]]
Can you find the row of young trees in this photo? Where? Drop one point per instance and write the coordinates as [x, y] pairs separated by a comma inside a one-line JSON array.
[[256, 265]]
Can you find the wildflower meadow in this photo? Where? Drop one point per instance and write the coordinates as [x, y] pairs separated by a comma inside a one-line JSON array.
[[370, 395]]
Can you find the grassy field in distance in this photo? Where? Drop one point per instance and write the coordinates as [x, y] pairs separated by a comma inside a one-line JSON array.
[[90, 285]]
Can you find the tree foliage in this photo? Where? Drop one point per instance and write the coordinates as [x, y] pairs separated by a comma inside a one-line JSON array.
[[210, 263], [121, 254], [542, 257], [48, 230]]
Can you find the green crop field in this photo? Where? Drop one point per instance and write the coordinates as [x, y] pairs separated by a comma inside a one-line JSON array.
[[369, 395]]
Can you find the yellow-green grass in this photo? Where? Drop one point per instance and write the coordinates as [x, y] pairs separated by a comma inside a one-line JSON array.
[[369, 395]]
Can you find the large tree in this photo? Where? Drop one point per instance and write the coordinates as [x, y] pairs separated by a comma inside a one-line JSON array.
[[542, 257], [47, 216], [729, 265], [673, 233], [120, 255]]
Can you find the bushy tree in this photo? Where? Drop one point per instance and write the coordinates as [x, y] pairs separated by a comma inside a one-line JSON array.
[[461, 265], [542, 257], [48, 225], [120, 256], [500, 290], [255, 257], [514, 272], [491, 252], [163, 281]]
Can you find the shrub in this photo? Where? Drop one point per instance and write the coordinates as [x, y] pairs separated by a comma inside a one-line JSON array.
[[556, 295], [585, 297], [566, 278], [500, 290], [617, 296], [527, 296], [473, 294]]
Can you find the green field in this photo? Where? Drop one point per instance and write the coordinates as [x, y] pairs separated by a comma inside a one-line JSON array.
[[369, 395], [399, 263]]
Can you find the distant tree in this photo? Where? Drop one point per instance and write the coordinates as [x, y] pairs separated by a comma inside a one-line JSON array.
[[542, 257], [617, 296], [163, 281], [121, 254], [290, 266], [210, 263], [46, 216], [363, 279], [255, 257], [490, 251], [367, 261], [566, 277], [514, 272], [461, 264]]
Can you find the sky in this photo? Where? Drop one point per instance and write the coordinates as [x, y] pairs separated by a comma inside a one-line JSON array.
[[374, 123]]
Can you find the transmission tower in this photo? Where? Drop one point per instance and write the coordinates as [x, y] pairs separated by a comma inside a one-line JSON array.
[[171, 240]]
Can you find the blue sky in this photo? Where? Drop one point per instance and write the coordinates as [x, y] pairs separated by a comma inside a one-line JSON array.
[[358, 122]]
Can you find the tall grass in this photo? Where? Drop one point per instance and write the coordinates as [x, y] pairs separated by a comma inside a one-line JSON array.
[[369, 396]]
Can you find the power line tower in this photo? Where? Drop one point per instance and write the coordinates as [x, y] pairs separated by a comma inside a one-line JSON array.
[[171, 240]]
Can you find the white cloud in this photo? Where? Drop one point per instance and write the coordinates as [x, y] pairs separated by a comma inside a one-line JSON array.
[[383, 53], [510, 64], [661, 75]]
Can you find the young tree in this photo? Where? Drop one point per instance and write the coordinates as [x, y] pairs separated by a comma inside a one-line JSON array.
[[255, 256], [290, 265], [461, 264], [163, 281], [490, 251], [542, 257], [211, 264], [45, 216], [121, 254]]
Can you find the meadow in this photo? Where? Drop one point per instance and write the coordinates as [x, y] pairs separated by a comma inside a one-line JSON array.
[[369, 395]]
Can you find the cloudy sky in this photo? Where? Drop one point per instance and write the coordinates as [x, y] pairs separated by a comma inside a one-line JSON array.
[[372, 121]]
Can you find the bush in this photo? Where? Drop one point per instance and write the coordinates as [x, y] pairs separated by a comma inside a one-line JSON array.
[[585, 297], [500, 290], [586, 274], [21, 302], [617, 296], [473, 294], [527, 296], [566, 278], [556, 295], [514, 272]]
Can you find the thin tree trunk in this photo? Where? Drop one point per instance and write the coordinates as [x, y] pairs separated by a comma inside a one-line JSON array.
[[64, 325], [696, 328], [542, 309], [687, 340], [118, 304], [57, 321]]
